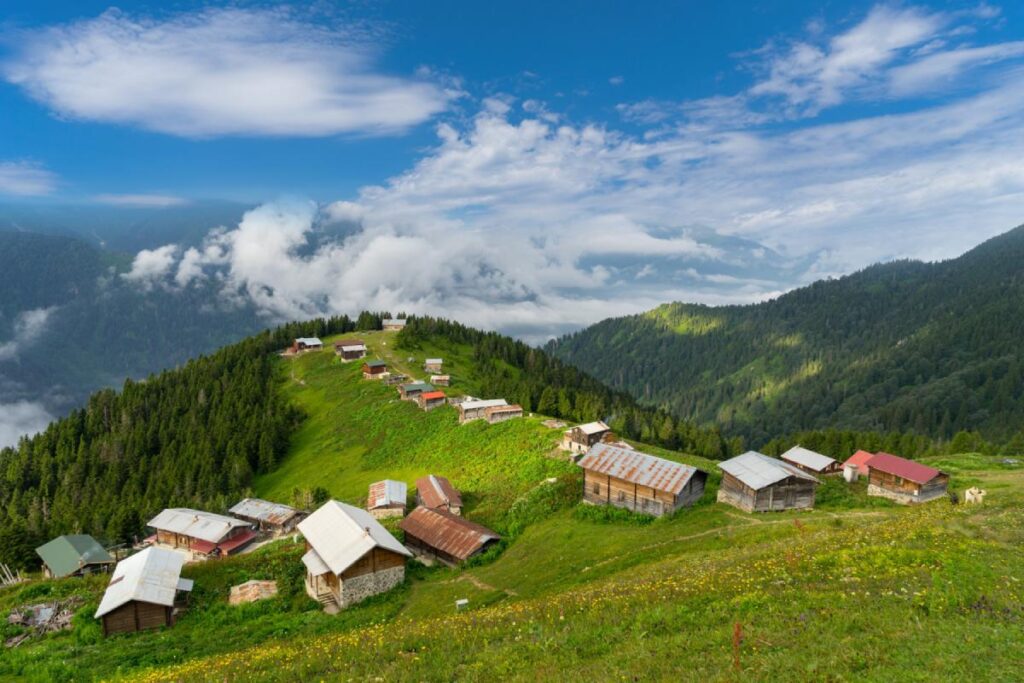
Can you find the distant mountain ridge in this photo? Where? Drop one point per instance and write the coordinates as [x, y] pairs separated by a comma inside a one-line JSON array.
[[929, 348]]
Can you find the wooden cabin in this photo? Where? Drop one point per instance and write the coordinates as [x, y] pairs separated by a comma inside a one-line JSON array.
[[428, 400], [496, 414], [306, 344], [204, 534], [857, 465], [437, 493], [273, 518], [393, 324], [74, 555], [387, 498], [350, 349], [146, 591], [349, 555], [441, 380], [582, 438], [476, 409], [904, 481], [639, 482], [375, 369], [433, 365], [811, 462], [445, 537], [412, 390], [753, 482]]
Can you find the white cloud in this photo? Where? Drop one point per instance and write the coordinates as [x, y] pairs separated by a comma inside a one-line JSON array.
[[22, 418], [141, 200], [151, 265], [25, 178], [939, 69], [226, 71], [616, 80], [28, 326]]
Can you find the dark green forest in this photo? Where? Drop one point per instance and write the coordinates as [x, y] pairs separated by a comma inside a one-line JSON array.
[[923, 349]]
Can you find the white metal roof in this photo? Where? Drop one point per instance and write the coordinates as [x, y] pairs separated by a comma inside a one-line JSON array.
[[353, 347], [395, 321], [757, 470], [154, 575], [205, 526], [593, 428], [310, 341], [388, 492], [489, 403], [807, 458], [434, 361], [341, 534], [314, 563]]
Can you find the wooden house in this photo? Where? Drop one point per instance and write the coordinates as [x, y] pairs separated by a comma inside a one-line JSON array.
[[274, 518], [437, 493], [476, 409], [441, 380], [433, 365], [349, 555], [387, 498], [756, 483], [496, 414], [76, 555], [639, 482], [306, 344], [446, 537], [811, 462], [393, 324], [375, 369], [857, 465], [350, 349], [581, 438], [146, 591], [904, 481], [412, 390], [204, 534], [428, 400]]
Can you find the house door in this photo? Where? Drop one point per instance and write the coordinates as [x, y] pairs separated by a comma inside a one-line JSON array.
[[790, 497]]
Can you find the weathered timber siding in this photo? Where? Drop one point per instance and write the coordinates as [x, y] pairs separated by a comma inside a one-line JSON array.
[[904, 491], [601, 489], [791, 493], [136, 616]]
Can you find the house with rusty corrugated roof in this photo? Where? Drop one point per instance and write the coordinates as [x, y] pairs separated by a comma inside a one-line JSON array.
[[275, 518], [446, 537], [437, 493], [386, 498], [643, 483]]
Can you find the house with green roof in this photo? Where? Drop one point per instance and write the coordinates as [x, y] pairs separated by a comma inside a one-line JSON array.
[[74, 555]]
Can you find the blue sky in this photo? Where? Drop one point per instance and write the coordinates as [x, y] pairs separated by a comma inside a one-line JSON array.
[[532, 166]]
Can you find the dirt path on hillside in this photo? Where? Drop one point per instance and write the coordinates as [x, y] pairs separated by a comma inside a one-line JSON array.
[[482, 585]]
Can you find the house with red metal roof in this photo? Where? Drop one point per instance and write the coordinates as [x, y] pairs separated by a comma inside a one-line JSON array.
[[904, 481], [428, 400], [637, 481], [858, 463], [203, 534]]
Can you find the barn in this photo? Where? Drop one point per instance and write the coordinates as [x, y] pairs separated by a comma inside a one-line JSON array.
[[639, 482], [275, 518], [445, 537], [580, 438], [375, 369], [904, 481], [811, 462], [756, 483], [387, 498], [146, 591], [496, 414], [428, 400], [75, 555], [350, 349], [393, 324], [204, 534], [475, 409], [437, 493], [349, 555], [412, 390]]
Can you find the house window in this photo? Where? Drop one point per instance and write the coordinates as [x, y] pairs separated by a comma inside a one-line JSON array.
[[622, 496], [596, 488]]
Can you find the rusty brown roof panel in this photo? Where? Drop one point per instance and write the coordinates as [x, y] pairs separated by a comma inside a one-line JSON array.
[[437, 492], [637, 468], [446, 532]]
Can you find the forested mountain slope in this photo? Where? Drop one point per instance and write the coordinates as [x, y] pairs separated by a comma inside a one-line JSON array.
[[928, 348]]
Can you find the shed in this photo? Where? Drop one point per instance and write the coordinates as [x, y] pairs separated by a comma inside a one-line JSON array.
[[393, 324], [638, 481], [428, 400], [412, 390], [474, 410], [387, 498], [433, 365], [496, 414], [904, 481], [858, 463], [307, 344], [350, 349], [811, 462], [349, 555], [205, 534], [267, 516], [580, 438], [444, 536], [437, 493], [441, 380], [756, 483], [143, 592], [75, 555], [375, 369]]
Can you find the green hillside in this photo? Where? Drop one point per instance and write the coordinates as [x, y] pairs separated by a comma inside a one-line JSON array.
[[927, 349], [855, 590]]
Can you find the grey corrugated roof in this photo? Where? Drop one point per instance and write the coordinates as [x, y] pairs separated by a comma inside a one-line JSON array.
[[395, 321], [310, 341], [153, 575], [637, 467], [417, 386], [808, 458], [592, 428], [387, 492], [434, 361], [341, 534], [264, 510], [757, 470], [206, 526], [489, 403]]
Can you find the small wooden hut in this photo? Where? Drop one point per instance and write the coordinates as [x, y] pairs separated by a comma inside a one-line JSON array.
[[811, 462], [74, 555], [428, 400], [446, 537], [433, 365], [904, 481], [274, 518], [350, 349], [496, 414], [441, 380], [476, 409], [145, 591], [375, 369], [437, 493], [412, 390], [387, 498], [581, 438], [306, 344], [393, 324], [639, 482], [756, 483]]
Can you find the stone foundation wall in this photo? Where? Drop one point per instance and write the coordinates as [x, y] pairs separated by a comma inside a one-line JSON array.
[[361, 587], [384, 513], [904, 498]]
